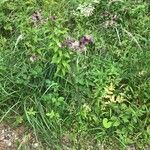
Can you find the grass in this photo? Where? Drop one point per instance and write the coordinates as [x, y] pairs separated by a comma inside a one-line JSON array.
[[96, 98]]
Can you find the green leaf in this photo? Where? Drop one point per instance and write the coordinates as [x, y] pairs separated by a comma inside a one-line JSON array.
[[8, 27], [56, 59], [57, 42], [66, 65], [3, 1], [60, 53], [107, 124], [116, 123], [125, 119], [51, 114], [31, 112], [67, 55], [19, 119]]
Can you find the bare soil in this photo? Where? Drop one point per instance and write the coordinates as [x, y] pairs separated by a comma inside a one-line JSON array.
[[11, 139]]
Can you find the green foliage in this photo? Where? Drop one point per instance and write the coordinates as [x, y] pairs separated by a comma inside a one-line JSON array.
[[74, 99], [61, 56], [107, 124]]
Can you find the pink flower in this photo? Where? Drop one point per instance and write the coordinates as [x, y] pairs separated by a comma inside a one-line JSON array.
[[87, 39], [36, 17], [76, 45]]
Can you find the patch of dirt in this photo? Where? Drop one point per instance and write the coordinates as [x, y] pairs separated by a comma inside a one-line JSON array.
[[14, 139], [11, 139], [8, 137]]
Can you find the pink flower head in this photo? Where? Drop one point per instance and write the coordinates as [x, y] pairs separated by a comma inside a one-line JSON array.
[[36, 16], [87, 39]]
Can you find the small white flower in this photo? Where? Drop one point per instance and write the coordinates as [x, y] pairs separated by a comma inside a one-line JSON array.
[[33, 58], [75, 45], [86, 9], [35, 145]]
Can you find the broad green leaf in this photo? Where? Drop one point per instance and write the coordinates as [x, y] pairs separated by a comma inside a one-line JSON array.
[[107, 124]]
